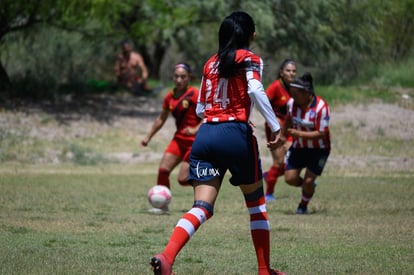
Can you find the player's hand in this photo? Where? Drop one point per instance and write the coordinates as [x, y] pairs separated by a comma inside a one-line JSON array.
[[252, 124], [293, 132], [275, 141], [189, 131], [145, 142]]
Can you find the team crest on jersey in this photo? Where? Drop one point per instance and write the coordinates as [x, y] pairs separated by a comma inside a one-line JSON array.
[[312, 114], [185, 103]]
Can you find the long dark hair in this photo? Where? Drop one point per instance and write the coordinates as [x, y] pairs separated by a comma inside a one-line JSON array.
[[305, 82], [235, 33]]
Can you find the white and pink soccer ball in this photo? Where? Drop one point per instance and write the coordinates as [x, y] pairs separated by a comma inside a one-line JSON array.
[[159, 196]]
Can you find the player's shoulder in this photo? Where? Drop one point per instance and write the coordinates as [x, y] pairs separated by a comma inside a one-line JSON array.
[[321, 101], [243, 54]]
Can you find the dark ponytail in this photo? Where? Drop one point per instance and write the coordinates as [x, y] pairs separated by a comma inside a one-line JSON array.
[[235, 33]]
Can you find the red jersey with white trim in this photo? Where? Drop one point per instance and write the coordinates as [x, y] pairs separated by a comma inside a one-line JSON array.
[[278, 96], [183, 110], [316, 117], [226, 99]]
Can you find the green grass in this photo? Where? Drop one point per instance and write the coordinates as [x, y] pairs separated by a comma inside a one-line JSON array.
[[94, 221]]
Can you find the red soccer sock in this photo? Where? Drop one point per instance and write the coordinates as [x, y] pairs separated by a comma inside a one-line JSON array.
[[186, 227], [305, 199], [163, 177], [271, 178], [260, 231]]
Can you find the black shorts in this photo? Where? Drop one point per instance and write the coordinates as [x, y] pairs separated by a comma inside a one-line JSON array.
[[313, 159]]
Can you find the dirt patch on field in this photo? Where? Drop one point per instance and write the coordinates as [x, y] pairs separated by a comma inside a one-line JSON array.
[[89, 116]]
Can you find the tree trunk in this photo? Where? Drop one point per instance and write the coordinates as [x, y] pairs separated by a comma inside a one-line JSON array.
[[159, 53], [4, 78]]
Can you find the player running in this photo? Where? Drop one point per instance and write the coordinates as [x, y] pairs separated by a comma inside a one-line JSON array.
[[181, 103], [307, 122], [231, 84], [278, 94]]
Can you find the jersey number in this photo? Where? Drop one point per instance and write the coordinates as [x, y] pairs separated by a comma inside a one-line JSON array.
[[220, 94]]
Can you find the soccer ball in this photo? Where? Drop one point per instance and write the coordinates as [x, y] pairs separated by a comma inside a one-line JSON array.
[[159, 196]]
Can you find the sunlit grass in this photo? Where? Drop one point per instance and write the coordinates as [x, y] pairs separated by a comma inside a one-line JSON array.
[[96, 222]]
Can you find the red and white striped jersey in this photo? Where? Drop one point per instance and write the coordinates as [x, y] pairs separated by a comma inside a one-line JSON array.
[[226, 99], [316, 117]]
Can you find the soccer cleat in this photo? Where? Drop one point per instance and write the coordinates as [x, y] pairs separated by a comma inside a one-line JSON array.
[[276, 272], [270, 197], [302, 209], [160, 266], [158, 211]]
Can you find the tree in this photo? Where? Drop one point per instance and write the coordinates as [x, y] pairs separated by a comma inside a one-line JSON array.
[[399, 28], [16, 16]]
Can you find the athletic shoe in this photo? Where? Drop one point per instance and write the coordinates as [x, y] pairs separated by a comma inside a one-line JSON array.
[[158, 211], [270, 197], [160, 266], [302, 209], [276, 272]]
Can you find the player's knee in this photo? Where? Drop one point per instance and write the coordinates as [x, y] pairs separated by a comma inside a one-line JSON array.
[[209, 208], [184, 181]]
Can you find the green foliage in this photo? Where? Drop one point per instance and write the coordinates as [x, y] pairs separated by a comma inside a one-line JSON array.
[[330, 38], [388, 74], [399, 28]]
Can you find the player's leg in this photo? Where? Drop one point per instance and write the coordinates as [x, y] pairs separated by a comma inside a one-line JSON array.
[[205, 194], [294, 164], [259, 225], [274, 172], [315, 163], [308, 189], [170, 159], [168, 163], [185, 164], [183, 174], [247, 175]]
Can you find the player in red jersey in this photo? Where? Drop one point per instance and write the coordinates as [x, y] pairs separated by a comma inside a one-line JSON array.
[[231, 84], [181, 103], [307, 122], [278, 94]]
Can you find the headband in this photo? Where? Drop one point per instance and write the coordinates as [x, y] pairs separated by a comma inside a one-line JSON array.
[[184, 66], [295, 85]]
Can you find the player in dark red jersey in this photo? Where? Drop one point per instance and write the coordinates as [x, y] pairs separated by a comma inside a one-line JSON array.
[[181, 103], [278, 94], [307, 122], [231, 84]]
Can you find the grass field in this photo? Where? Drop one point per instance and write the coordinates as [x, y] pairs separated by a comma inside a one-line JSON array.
[[93, 220], [66, 208]]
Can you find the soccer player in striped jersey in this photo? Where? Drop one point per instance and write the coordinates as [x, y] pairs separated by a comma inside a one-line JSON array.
[[278, 94], [307, 122], [230, 85], [181, 102]]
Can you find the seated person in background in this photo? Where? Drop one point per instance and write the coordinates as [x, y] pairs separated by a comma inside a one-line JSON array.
[[131, 71]]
